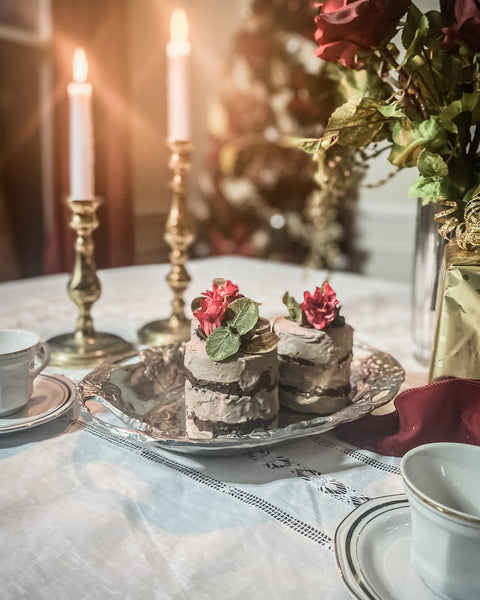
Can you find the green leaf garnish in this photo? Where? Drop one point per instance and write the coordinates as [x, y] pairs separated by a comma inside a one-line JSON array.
[[295, 313], [222, 343], [239, 326], [241, 315]]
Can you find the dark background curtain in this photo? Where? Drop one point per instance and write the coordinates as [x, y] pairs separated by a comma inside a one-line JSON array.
[[21, 210], [100, 28]]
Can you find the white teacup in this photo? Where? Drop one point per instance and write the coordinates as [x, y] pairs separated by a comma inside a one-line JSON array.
[[442, 482], [17, 368]]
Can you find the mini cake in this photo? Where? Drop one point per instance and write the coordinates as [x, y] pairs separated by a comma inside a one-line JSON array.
[[231, 366], [314, 353]]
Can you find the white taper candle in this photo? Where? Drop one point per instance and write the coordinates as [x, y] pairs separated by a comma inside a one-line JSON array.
[[82, 185], [178, 89]]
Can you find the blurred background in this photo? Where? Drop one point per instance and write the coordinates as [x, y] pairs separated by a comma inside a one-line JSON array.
[[255, 78]]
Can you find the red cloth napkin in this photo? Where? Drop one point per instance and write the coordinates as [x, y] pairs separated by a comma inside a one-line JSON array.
[[442, 411]]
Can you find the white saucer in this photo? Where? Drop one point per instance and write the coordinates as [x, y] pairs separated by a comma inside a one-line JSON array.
[[52, 396], [372, 547]]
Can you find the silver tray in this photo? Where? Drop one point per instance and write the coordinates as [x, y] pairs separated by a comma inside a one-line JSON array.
[[145, 391]]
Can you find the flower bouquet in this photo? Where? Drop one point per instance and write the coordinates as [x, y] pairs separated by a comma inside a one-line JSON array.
[[410, 82], [420, 96]]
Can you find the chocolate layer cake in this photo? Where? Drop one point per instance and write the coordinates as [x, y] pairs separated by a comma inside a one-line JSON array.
[[234, 396], [314, 366]]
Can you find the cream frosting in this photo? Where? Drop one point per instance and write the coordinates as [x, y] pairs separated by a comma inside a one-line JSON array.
[[232, 408], [314, 366], [251, 377]]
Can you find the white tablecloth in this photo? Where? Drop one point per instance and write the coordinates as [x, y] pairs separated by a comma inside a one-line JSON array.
[[89, 515]]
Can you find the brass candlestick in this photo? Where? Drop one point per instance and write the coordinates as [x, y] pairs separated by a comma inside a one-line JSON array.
[[179, 236], [84, 347]]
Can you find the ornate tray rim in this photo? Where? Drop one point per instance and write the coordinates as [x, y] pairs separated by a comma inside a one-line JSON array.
[[140, 432]]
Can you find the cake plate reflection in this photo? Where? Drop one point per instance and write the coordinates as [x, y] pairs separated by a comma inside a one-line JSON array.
[[144, 395]]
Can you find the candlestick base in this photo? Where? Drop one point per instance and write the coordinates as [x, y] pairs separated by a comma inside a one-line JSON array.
[[159, 333], [68, 351]]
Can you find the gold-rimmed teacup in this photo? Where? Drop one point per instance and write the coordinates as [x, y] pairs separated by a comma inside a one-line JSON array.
[[18, 349], [442, 483]]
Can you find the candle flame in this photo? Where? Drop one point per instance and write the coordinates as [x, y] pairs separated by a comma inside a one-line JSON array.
[[80, 66], [179, 26]]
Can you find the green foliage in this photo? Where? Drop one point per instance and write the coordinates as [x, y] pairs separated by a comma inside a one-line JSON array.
[[294, 310], [414, 33], [356, 124], [355, 85], [468, 104], [411, 137], [295, 313], [461, 178], [426, 188], [310, 146], [237, 332], [392, 110], [241, 315], [440, 72], [222, 343], [412, 21], [424, 98], [431, 165]]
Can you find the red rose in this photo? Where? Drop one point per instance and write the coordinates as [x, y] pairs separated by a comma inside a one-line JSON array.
[[211, 313], [346, 26], [320, 309], [213, 306], [227, 290], [466, 26]]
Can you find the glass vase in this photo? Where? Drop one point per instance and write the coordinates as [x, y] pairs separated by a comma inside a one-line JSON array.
[[428, 265]]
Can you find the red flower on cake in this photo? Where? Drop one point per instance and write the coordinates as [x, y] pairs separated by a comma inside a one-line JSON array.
[[214, 303], [227, 290], [346, 26], [210, 315], [320, 308]]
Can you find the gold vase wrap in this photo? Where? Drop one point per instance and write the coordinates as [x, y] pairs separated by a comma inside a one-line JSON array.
[[446, 218], [467, 232], [456, 351]]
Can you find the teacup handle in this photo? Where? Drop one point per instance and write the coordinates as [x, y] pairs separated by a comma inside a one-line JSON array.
[[45, 350]]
